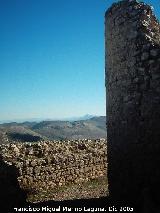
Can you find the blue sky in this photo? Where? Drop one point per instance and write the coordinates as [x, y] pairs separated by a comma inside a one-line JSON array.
[[52, 58]]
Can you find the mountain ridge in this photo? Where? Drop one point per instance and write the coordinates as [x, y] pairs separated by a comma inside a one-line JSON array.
[[73, 118], [91, 128]]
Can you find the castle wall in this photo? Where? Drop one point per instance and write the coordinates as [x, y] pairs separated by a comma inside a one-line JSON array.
[[132, 39], [45, 166]]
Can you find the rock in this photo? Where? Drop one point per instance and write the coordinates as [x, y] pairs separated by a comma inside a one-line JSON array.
[[154, 52], [38, 173], [145, 56]]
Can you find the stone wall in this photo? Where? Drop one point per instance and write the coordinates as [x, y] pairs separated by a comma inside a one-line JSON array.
[[132, 39], [44, 166]]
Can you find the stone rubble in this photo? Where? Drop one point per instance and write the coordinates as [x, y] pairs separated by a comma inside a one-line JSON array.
[[44, 166]]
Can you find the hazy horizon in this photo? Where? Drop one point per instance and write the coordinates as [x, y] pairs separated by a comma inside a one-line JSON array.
[[52, 58], [73, 118]]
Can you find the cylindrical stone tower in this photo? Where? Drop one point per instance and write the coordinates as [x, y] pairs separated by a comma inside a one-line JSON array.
[[132, 42]]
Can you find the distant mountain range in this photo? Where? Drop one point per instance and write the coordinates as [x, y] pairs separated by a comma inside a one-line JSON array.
[[85, 117], [31, 131]]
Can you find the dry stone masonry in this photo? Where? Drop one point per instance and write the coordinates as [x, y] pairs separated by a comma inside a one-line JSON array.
[[132, 39], [44, 167]]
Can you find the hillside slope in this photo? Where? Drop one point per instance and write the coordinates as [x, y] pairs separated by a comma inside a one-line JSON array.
[[92, 128], [15, 132]]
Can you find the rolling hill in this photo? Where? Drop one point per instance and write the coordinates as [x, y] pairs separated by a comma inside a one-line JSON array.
[[92, 128]]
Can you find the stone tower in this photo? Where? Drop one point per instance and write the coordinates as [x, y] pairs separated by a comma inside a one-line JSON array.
[[132, 40]]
